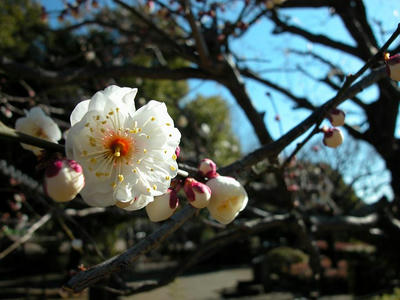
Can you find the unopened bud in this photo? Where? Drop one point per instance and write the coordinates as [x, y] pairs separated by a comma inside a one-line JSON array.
[[393, 66], [198, 193], [228, 198], [208, 168], [177, 151], [333, 137], [163, 206], [336, 117], [63, 180]]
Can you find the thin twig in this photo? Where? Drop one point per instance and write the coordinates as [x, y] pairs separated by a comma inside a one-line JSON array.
[[27, 236], [87, 278]]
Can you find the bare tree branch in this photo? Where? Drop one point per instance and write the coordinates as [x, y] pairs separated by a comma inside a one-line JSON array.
[[315, 38], [75, 75], [84, 279], [27, 236]]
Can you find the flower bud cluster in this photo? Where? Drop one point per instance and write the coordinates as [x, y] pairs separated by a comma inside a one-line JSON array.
[[333, 137], [224, 197]]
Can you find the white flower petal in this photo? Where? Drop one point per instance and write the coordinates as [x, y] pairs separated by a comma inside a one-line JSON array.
[[140, 202], [79, 111]]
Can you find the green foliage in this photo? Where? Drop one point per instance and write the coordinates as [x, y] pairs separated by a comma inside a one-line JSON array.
[[280, 258], [211, 117], [20, 23], [394, 296]]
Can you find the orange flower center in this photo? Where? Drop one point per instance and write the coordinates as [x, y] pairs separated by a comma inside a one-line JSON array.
[[119, 146]]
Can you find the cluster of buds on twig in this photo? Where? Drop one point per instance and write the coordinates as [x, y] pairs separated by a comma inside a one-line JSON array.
[[333, 136], [224, 197]]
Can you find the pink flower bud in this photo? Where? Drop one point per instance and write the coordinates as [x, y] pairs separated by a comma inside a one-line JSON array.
[[63, 180], [177, 151], [163, 206], [228, 198], [208, 168], [336, 117], [198, 193], [333, 137], [393, 66]]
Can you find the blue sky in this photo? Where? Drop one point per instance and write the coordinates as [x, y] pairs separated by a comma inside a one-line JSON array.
[[258, 42]]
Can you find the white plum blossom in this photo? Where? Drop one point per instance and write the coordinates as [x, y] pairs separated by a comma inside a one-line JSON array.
[[63, 180], [128, 155], [38, 124], [228, 198], [163, 206]]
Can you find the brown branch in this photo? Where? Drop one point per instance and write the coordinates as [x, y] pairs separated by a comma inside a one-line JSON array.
[[315, 38], [27, 236], [183, 50], [233, 81], [76, 75], [303, 102], [87, 278], [201, 45], [13, 135], [245, 229], [274, 148]]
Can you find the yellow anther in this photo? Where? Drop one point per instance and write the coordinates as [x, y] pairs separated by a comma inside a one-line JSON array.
[[168, 124], [133, 131], [99, 174], [134, 171], [144, 150], [174, 157], [114, 185], [167, 178], [138, 161], [97, 117], [104, 122], [165, 151], [117, 109], [111, 113], [102, 130], [139, 129], [87, 124], [117, 151], [153, 119], [106, 174], [172, 168], [148, 189], [152, 170], [120, 177], [170, 135], [147, 137], [91, 129], [84, 152], [93, 160], [154, 187]]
